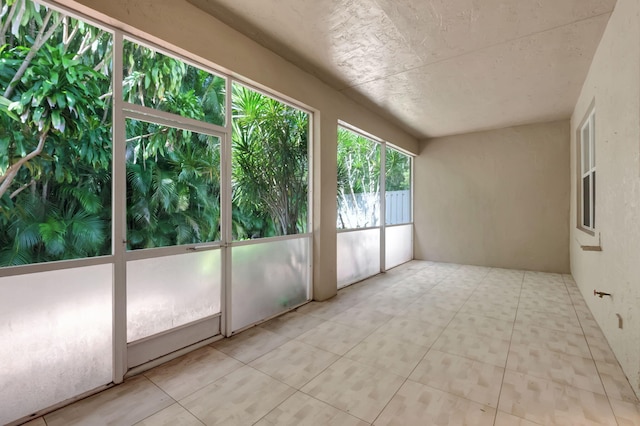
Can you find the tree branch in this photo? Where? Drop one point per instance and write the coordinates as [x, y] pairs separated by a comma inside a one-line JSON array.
[[7, 24], [22, 188], [40, 40], [7, 179]]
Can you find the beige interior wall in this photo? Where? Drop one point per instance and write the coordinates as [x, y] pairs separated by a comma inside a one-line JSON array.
[[613, 84], [185, 29], [496, 198]]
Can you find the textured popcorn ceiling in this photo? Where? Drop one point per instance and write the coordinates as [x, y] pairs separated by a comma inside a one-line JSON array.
[[436, 67]]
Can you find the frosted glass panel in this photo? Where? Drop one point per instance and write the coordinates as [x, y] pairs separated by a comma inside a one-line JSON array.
[[398, 245], [358, 255], [268, 278], [166, 292], [55, 337]]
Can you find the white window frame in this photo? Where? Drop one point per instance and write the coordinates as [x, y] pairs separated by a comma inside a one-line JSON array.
[[587, 170]]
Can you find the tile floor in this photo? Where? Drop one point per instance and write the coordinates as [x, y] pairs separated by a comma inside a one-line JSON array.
[[424, 344]]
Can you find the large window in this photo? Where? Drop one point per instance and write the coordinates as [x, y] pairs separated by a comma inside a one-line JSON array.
[[587, 152], [55, 136], [397, 187], [358, 181], [270, 166]]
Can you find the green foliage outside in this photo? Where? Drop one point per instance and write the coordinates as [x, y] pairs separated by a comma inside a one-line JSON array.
[[359, 178], [56, 146]]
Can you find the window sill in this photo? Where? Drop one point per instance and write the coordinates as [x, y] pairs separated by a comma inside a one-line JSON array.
[[589, 241]]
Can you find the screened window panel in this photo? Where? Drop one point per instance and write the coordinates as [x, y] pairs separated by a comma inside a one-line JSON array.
[[173, 186], [397, 187], [268, 278], [586, 203], [55, 337], [58, 204], [398, 245], [358, 254], [161, 82], [586, 162], [166, 292], [270, 166], [593, 213], [358, 181]]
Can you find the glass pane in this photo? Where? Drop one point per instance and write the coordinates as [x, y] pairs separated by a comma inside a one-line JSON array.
[[161, 82], [592, 142], [398, 245], [358, 255], [173, 186], [593, 204], [586, 202], [267, 279], [398, 187], [55, 337], [358, 181], [270, 166], [55, 139], [586, 161], [166, 292]]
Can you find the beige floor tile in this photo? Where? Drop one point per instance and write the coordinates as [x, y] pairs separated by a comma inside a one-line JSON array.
[[327, 309], [125, 404], [417, 404], [250, 344], [355, 388], [479, 348], [333, 337], [387, 353], [532, 297], [627, 413], [193, 371], [527, 318], [387, 305], [490, 309], [599, 347], [486, 295], [451, 290], [400, 291], [240, 398], [428, 314], [549, 403], [553, 340], [482, 326], [292, 324], [615, 382], [303, 410], [294, 363], [174, 415], [505, 419], [443, 301], [562, 368], [460, 376], [411, 331], [363, 317], [562, 309]]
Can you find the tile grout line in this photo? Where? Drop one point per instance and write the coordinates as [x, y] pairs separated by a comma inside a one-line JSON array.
[[504, 373]]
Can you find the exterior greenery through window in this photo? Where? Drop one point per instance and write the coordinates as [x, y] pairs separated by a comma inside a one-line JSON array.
[[55, 136], [397, 187], [270, 166], [56, 173], [588, 172], [358, 181]]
